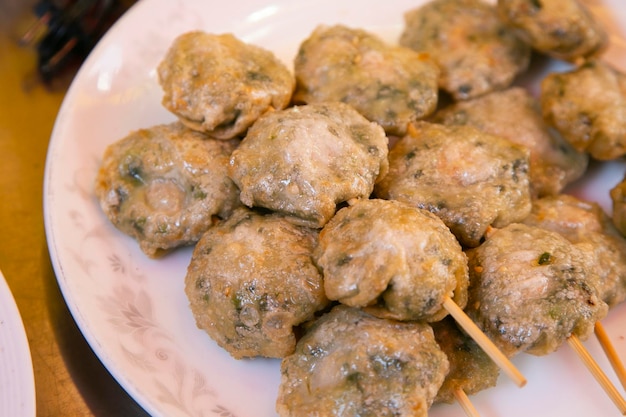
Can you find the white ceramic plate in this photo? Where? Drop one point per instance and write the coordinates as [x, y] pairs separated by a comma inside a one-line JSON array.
[[17, 381], [133, 310]]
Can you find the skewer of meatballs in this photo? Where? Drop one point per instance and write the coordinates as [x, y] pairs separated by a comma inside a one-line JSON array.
[[320, 242]]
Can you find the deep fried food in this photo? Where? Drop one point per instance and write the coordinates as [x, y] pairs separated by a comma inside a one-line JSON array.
[[475, 50], [531, 289], [305, 160], [471, 369], [470, 179], [563, 29], [353, 364], [587, 225], [390, 85], [587, 105], [395, 260], [515, 115], [618, 200], [251, 280], [164, 185], [221, 85]]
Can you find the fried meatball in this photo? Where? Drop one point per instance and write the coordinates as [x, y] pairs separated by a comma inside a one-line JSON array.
[[221, 85], [476, 52], [587, 225], [554, 278], [304, 160], [164, 185], [471, 369], [390, 85], [516, 115], [396, 260], [618, 200], [470, 179], [353, 364], [587, 106], [251, 279], [563, 29]]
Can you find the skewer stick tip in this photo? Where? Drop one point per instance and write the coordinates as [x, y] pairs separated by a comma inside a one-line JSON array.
[[597, 372], [611, 353]]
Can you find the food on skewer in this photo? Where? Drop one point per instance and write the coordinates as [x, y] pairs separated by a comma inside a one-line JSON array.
[[390, 85], [471, 369], [395, 260], [350, 363], [589, 227], [221, 85], [398, 261], [556, 280], [164, 185], [305, 160], [251, 280], [470, 179], [516, 115], [587, 105], [563, 29], [476, 51], [254, 280]]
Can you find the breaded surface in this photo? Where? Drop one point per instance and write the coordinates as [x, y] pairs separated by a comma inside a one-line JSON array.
[[618, 200], [395, 260], [164, 185], [251, 279], [305, 160], [531, 289], [588, 226], [476, 52], [390, 85], [515, 115], [471, 369], [353, 364], [470, 179], [221, 85], [587, 105], [563, 29]]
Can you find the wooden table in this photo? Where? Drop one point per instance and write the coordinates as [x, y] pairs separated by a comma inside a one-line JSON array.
[[69, 378]]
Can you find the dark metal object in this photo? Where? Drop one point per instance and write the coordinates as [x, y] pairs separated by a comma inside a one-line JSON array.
[[64, 32]]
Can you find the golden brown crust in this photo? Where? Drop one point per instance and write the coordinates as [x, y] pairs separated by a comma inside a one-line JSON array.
[[353, 364], [393, 259], [390, 85], [563, 29], [515, 115], [588, 226], [470, 179], [555, 279], [251, 280], [305, 160], [471, 369], [221, 85], [163, 185], [587, 105], [476, 52]]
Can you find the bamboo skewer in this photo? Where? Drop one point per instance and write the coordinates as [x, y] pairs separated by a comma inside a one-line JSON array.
[[595, 370], [465, 403], [484, 342], [610, 352]]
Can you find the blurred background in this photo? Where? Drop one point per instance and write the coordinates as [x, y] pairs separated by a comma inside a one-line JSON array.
[[41, 46]]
